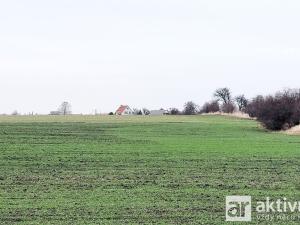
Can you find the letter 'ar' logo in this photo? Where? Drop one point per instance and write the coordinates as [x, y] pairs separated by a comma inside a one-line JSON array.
[[238, 208]]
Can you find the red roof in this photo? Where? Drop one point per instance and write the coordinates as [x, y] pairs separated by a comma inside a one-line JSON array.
[[121, 109]]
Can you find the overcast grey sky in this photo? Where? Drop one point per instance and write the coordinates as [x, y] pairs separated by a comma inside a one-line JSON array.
[[154, 53]]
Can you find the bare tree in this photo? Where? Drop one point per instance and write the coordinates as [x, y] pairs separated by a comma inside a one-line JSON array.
[[242, 102], [190, 108], [223, 94], [65, 108]]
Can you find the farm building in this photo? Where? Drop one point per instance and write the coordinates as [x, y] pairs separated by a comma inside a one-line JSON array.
[[55, 113], [124, 110], [159, 112]]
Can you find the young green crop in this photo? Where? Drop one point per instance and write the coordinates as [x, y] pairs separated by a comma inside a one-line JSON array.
[[139, 170]]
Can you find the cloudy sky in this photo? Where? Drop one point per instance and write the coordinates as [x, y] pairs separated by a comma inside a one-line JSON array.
[[98, 54]]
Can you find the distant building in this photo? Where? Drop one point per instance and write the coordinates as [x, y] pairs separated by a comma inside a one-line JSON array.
[[124, 110], [159, 112], [55, 113]]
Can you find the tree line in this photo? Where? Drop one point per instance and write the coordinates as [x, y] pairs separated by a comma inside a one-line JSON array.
[[279, 111], [222, 102]]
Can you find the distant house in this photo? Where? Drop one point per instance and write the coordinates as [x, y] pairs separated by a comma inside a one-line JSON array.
[[159, 112], [124, 110]]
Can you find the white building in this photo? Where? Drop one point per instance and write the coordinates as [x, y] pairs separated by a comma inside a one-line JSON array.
[[124, 110]]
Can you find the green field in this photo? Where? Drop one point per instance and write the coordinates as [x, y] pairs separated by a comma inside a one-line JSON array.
[[139, 170]]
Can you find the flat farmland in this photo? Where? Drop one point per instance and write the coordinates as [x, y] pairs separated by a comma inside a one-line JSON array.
[[139, 170]]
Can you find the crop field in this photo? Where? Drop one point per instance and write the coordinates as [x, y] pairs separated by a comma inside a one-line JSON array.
[[139, 170]]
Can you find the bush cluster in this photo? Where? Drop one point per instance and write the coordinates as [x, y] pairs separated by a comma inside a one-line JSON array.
[[210, 107], [174, 111], [276, 112], [190, 108], [228, 107]]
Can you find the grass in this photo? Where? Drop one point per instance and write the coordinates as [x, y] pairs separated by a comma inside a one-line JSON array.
[[139, 170]]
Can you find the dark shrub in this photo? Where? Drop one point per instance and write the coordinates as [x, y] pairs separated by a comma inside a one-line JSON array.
[[210, 107], [277, 112], [254, 106], [146, 111], [111, 113], [228, 107], [296, 113], [174, 111], [137, 111], [190, 108]]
